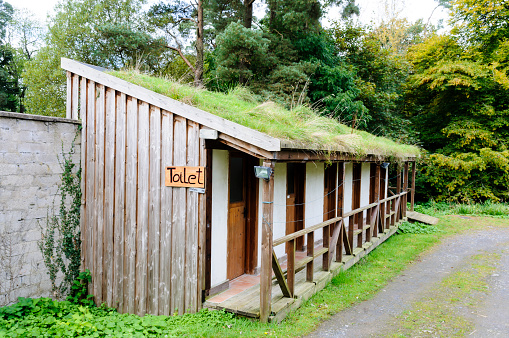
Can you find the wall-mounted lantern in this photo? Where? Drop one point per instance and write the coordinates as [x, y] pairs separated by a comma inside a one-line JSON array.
[[385, 165], [263, 172]]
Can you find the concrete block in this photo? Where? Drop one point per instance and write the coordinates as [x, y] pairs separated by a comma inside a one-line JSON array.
[[32, 125], [17, 158], [8, 147], [32, 235], [38, 148], [17, 180], [9, 169]]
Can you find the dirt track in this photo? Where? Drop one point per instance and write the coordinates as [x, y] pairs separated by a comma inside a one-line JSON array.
[[460, 288]]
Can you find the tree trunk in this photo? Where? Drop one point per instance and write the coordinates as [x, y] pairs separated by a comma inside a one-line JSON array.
[[198, 69], [248, 14]]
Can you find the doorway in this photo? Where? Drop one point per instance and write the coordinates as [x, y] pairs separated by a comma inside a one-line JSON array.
[[295, 192], [242, 214], [329, 193]]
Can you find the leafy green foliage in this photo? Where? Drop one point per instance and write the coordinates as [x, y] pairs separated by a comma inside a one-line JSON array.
[[482, 22], [79, 290], [9, 87], [379, 73], [60, 242], [416, 228], [111, 33], [240, 54], [47, 318], [457, 99], [10, 90], [487, 208]]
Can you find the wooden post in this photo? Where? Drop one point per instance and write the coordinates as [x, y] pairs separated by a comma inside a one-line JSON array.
[[398, 191], [290, 270], [326, 242], [412, 194], [351, 227], [266, 250], [311, 253], [405, 188], [374, 227], [68, 111], [341, 182]]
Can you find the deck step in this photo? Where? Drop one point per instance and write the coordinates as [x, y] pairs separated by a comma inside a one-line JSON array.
[[418, 217], [357, 251]]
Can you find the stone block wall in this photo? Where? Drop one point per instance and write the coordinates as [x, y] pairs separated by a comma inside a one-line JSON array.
[[30, 147]]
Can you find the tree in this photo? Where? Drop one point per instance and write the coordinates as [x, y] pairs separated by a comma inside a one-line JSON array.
[[24, 37], [380, 75], [176, 20], [240, 53], [107, 33], [460, 105], [9, 87], [482, 23]]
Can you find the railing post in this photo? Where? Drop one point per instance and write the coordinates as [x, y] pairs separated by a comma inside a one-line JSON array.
[[311, 253], [351, 227], [266, 249], [339, 245], [377, 199], [412, 195], [405, 189], [368, 222], [290, 267], [398, 191], [326, 242]]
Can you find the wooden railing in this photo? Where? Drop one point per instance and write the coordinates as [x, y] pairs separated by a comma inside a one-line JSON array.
[[380, 216]]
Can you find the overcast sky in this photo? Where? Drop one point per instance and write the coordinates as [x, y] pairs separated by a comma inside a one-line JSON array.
[[371, 10]]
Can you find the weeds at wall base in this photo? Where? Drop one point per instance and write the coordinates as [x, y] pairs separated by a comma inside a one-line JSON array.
[[60, 242]]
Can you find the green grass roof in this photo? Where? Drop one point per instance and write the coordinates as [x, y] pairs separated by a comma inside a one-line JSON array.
[[301, 127]]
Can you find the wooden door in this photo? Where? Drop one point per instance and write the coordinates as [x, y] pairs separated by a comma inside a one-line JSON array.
[[237, 213], [295, 183], [242, 235], [330, 192]]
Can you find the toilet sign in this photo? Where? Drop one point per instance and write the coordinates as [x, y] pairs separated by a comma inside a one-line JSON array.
[[187, 177]]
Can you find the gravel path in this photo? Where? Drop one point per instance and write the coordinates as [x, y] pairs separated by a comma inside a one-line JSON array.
[[490, 316]]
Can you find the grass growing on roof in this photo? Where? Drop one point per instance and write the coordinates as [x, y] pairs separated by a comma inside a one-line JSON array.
[[301, 126]]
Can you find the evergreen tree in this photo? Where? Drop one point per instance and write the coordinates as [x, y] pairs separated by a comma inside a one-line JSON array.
[[9, 87]]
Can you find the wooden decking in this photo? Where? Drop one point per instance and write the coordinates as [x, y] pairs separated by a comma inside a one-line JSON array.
[[247, 303]]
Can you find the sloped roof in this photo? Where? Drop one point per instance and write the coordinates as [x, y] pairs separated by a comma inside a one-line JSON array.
[[264, 125]]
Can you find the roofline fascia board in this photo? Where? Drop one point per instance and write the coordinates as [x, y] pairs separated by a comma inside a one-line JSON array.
[[294, 155], [202, 117]]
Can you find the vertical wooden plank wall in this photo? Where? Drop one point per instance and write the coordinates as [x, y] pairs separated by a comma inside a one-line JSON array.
[[143, 242]]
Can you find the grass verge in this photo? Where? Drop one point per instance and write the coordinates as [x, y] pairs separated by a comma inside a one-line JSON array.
[[360, 282], [487, 208]]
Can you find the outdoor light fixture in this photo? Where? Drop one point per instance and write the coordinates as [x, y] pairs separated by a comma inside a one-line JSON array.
[[263, 172], [385, 165]]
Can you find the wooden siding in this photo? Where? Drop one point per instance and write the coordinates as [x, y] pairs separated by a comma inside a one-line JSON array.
[[142, 241]]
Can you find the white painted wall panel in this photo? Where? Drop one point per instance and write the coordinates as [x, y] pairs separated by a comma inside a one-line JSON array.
[[365, 182], [314, 196], [219, 236], [348, 189], [279, 217], [279, 227]]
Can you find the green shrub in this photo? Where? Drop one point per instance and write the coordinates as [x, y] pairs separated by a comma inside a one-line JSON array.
[[45, 317], [487, 208], [416, 228]]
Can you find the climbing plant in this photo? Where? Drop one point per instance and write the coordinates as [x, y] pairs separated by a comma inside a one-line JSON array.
[[60, 242]]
